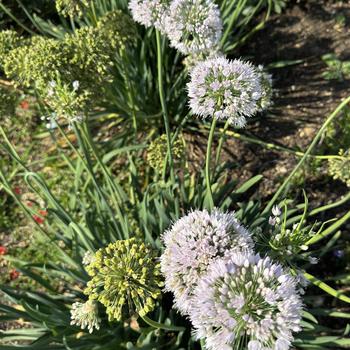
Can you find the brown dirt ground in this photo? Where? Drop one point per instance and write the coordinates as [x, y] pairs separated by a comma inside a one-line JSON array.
[[303, 98]]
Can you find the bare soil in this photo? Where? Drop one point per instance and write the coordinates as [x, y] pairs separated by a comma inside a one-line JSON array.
[[303, 98]]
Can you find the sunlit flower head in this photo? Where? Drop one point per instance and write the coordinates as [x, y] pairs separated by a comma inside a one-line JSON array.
[[149, 12], [246, 302], [85, 315], [192, 243], [225, 89], [125, 277], [193, 26]]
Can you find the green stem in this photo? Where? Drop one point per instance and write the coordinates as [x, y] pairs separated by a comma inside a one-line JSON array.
[[306, 154], [232, 20], [341, 201], [221, 141], [158, 325], [207, 165], [272, 146], [165, 117]]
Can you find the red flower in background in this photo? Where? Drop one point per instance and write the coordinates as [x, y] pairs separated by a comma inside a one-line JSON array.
[[14, 274], [17, 190], [24, 104], [43, 213], [3, 250], [38, 219]]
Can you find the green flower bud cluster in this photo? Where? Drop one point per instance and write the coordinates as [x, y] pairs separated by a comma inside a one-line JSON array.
[[265, 100], [9, 100], [66, 100], [85, 56], [9, 40], [125, 275], [72, 8], [35, 63], [339, 169], [284, 242], [157, 151]]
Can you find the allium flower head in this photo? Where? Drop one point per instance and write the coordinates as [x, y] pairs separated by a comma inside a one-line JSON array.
[[193, 26], [192, 243], [125, 274], [85, 315], [157, 151], [225, 89], [246, 302], [149, 12]]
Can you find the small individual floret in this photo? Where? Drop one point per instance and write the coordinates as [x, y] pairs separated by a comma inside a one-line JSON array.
[[246, 302], [85, 315], [71, 8], [158, 149], [339, 169], [125, 275], [192, 243], [193, 26], [225, 89], [149, 12], [88, 258]]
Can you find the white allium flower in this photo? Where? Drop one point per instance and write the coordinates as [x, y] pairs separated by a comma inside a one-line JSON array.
[[225, 89], [276, 211], [246, 301], [193, 26], [192, 243], [85, 315], [76, 85], [88, 258], [149, 12]]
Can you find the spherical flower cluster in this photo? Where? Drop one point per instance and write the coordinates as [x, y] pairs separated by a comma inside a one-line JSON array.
[[86, 56], [85, 315], [193, 26], [71, 8], [157, 151], [225, 89], [192, 243], [125, 275], [149, 12], [246, 301]]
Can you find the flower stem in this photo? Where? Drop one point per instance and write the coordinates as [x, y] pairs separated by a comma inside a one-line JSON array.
[[273, 146], [158, 325], [207, 165], [307, 153], [165, 117]]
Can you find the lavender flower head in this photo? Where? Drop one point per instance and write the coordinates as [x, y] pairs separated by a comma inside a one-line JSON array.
[[246, 302], [149, 12], [193, 26], [192, 243], [225, 89]]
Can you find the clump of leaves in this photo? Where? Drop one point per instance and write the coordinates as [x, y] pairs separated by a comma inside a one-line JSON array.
[[336, 69]]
